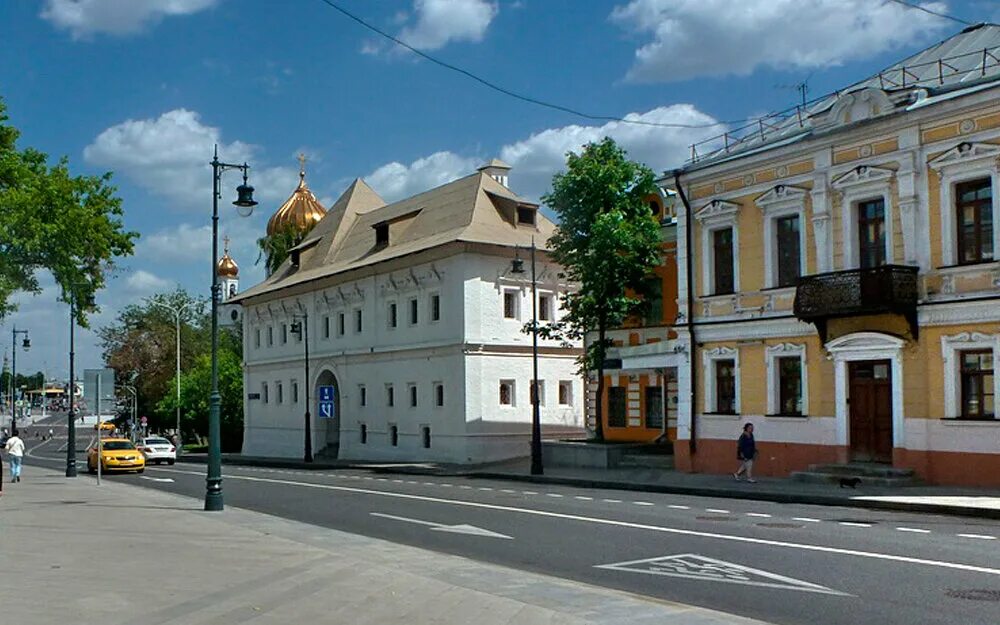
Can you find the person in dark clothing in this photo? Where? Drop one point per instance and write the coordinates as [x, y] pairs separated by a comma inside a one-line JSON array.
[[746, 451]]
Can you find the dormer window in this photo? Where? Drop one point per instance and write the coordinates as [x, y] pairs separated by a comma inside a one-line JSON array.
[[382, 234], [525, 216]]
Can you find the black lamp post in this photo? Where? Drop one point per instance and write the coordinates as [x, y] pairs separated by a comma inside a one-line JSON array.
[[71, 416], [245, 203], [301, 328], [13, 373], [517, 267]]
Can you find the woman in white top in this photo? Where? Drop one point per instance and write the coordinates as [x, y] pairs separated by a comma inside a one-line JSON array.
[[15, 449]]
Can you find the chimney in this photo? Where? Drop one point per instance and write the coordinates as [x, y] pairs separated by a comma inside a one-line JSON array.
[[497, 170]]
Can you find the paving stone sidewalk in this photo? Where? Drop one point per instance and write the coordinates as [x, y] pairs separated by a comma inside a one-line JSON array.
[[75, 552]]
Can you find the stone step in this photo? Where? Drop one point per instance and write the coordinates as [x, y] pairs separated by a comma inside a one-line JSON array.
[[817, 477], [862, 470]]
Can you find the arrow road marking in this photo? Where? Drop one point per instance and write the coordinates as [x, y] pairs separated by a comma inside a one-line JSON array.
[[470, 530], [157, 479], [693, 566]]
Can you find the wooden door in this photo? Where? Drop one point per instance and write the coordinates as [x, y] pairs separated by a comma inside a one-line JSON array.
[[871, 411]]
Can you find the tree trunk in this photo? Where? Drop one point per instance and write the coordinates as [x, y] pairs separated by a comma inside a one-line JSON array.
[[599, 406]]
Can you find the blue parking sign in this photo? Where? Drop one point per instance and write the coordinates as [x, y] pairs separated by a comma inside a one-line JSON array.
[[326, 410], [326, 393]]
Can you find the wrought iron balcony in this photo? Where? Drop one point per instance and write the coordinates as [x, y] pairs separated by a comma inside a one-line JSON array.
[[885, 289]]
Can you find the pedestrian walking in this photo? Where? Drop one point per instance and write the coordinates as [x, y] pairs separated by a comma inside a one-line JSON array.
[[15, 452], [746, 451]]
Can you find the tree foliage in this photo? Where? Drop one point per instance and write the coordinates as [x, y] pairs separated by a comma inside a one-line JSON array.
[[608, 243], [51, 220], [274, 248]]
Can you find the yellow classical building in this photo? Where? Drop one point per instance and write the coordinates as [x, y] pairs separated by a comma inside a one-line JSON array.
[[838, 277]]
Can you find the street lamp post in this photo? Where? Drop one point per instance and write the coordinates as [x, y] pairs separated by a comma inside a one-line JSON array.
[[13, 373], [177, 310], [302, 329], [71, 416], [244, 200], [536, 418]]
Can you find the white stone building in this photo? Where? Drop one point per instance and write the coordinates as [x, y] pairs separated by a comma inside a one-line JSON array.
[[415, 318]]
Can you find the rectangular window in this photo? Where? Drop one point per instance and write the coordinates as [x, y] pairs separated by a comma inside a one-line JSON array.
[[281, 393], [413, 312], [362, 395], [264, 392], [435, 307], [392, 314], [358, 326], [270, 336], [390, 395], [526, 216], [725, 386], [256, 338], [541, 392], [340, 324], [722, 250], [284, 333], [544, 307], [506, 392], [977, 385], [975, 221], [617, 406], [393, 435], [413, 395], [326, 326], [871, 233], [439, 394], [363, 430], [790, 385], [510, 304], [789, 254], [654, 407], [425, 436], [565, 393], [381, 234], [295, 392]]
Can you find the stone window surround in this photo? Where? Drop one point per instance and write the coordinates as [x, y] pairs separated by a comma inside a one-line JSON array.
[[717, 215], [773, 353], [956, 166], [861, 184], [430, 307], [709, 357], [951, 345], [782, 201]]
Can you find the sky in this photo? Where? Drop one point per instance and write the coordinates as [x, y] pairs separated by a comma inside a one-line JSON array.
[[145, 88]]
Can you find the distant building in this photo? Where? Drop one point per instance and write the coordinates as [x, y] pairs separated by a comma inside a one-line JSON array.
[[415, 319], [228, 273]]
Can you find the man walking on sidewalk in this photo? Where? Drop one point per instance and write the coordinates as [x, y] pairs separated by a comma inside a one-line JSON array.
[[746, 451], [15, 450]]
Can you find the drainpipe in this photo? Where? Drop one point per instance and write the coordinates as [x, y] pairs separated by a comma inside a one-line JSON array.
[[689, 318]]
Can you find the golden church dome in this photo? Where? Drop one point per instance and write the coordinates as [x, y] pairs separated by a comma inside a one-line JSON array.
[[301, 211], [227, 267]]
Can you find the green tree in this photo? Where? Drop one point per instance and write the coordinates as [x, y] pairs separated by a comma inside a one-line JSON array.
[[274, 248], [196, 385], [51, 220], [607, 242]]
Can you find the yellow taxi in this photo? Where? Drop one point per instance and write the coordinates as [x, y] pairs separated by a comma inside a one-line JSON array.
[[107, 426], [117, 454]]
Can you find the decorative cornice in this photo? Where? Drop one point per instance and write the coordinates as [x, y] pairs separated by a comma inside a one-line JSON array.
[[964, 153], [862, 175], [785, 348], [719, 351], [717, 210], [782, 195]]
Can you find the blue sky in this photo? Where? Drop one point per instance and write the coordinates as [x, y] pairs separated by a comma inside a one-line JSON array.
[[145, 87]]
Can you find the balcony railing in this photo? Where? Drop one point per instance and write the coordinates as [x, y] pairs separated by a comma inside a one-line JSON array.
[[885, 289]]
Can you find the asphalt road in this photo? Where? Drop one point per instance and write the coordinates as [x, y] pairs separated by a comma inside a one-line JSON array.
[[775, 562]]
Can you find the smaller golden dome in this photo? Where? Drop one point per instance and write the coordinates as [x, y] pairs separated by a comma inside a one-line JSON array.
[[300, 211], [227, 267]]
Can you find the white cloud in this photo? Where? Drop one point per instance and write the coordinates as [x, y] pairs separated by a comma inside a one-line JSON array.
[[439, 22], [142, 282], [84, 18], [718, 37], [537, 158], [169, 155]]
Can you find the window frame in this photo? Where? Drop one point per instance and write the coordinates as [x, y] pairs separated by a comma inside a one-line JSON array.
[[512, 393], [439, 394], [390, 396], [515, 294], [295, 391], [983, 391], [566, 385], [412, 394], [359, 324], [341, 323], [951, 347], [959, 238], [392, 315], [326, 327], [545, 311], [280, 392], [717, 215], [362, 396], [719, 267], [413, 311], [774, 354], [860, 227], [709, 358], [434, 303], [612, 405], [954, 167]]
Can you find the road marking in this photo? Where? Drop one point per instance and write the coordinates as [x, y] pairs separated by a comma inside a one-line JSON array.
[[959, 566], [485, 488], [676, 507], [446, 485], [463, 528], [528, 492], [643, 503], [717, 510], [912, 529], [508, 491], [852, 524], [979, 536], [611, 500], [759, 515], [157, 479], [429, 484], [397, 481], [553, 494], [583, 498], [806, 519], [693, 566]]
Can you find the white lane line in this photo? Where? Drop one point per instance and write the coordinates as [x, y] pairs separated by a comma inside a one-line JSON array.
[[446, 485], [465, 487], [643, 503], [959, 566], [484, 488], [717, 510], [507, 490], [759, 515], [979, 536], [429, 484], [583, 498], [912, 530], [528, 492], [611, 500], [553, 494], [852, 524], [412, 482], [397, 481], [805, 519], [677, 507]]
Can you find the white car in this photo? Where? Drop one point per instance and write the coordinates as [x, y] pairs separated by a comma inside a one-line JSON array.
[[158, 449]]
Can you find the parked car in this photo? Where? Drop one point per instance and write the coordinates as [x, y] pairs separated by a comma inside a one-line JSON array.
[[158, 449], [117, 454]]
